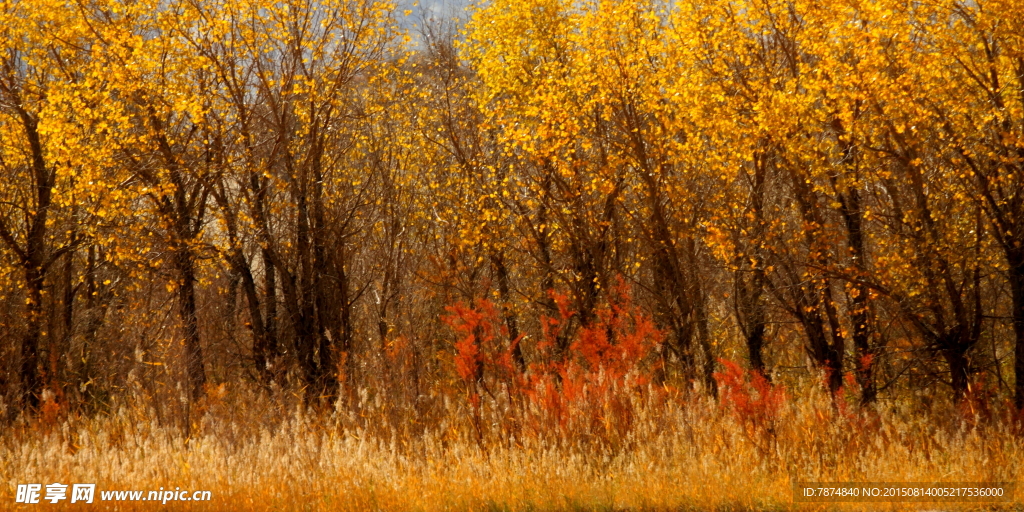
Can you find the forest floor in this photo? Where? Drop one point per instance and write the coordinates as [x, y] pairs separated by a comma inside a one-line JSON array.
[[656, 452]]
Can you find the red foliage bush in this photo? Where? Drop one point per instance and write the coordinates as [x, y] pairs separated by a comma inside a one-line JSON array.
[[749, 395], [588, 386], [476, 348], [620, 340]]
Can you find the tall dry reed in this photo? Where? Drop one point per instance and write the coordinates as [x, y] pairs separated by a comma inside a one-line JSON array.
[[649, 448]]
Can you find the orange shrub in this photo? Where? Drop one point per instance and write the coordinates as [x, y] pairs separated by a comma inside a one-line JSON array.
[[748, 395]]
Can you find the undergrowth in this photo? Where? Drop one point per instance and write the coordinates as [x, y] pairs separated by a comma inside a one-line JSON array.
[[588, 421]]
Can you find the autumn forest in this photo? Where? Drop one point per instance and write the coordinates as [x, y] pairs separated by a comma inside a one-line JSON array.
[[606, 245]]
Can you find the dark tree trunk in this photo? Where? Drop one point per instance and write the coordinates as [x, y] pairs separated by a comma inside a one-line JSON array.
[[270, 306], [821, 351], [699, 300], [258, 186], [261, 352], [675, 304], [184, 209], [750, 310], [837, 343], [954, 345], [33, 259], [301, 300], [194, 363], [755, 347], [548, 281], [31, 381], [751, 313], [828, 353], [343, 359], [68, 298], [243, 274], [332, 317], [511, 319], [1016, 275], [96, 302], [860, 316]]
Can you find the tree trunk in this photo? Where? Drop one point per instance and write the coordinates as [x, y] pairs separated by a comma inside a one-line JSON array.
[[751, 313], [828, 353], [675, 304], [749, 294], [808, 312], [959, 371], [33, 264], [31, 381], [548, 281], [194, 363], [301, 301], [860, 316], [507, 311], [1016, 274], [342, 361], [260, 340], [699, 299], [270, 306], [96, 301]]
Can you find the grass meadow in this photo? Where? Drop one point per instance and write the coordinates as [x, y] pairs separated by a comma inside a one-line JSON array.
[[648, 448]]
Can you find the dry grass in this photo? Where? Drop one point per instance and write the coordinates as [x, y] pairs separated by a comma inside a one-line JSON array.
[[661, 451]]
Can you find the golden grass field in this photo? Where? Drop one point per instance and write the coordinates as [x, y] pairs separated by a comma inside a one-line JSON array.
[[657, 451]]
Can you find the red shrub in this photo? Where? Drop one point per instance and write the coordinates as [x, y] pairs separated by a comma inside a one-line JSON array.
[[588, 387], [621, 339], [749, 395], [477, 348]]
